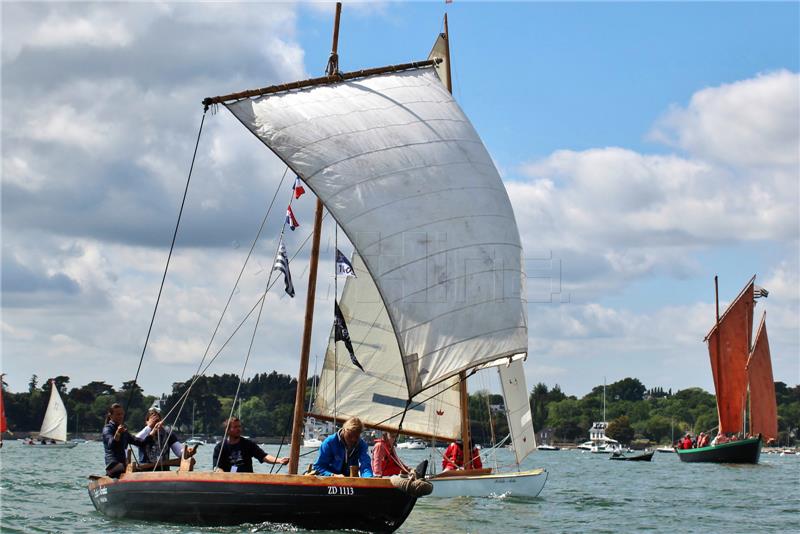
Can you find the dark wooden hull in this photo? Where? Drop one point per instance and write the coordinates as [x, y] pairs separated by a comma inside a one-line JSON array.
[[646, 457], [307, 502], [746, 451]]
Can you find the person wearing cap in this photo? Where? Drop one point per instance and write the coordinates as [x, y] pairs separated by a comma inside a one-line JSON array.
[[157, 441], [343, 450]]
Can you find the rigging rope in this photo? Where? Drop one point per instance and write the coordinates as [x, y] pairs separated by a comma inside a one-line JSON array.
[[166, 267], [227, 304]]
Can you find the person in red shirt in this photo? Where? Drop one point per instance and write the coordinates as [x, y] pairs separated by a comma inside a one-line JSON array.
[[385, 461], [687, 442], [454, 457]]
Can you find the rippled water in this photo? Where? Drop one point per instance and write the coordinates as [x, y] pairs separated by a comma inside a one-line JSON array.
[[45, 491]]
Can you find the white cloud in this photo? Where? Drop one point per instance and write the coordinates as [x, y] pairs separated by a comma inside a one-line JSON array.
[[750, 123]]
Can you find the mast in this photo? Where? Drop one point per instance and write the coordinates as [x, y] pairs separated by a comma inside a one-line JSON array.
[[719, 350], [604, 399], [462, 376], [302, 374]]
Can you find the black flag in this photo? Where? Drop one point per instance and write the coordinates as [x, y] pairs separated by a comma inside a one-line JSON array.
[[340, 333]]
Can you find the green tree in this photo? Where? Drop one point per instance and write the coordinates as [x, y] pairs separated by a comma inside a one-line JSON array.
[[620, 429]]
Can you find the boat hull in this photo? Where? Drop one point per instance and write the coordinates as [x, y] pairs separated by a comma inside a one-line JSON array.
[[646, 457], [746, 451], [50, 446], [523, 484], [199, 498]]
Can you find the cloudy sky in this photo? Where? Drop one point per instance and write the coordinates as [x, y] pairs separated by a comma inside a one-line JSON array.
[[645, 148]]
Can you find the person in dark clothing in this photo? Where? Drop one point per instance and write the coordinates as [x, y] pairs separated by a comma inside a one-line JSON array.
[[115, 441], [158, 441], [236, 453]]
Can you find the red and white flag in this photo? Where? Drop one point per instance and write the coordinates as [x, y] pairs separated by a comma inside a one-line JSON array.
[[290, 220], [299, 190]]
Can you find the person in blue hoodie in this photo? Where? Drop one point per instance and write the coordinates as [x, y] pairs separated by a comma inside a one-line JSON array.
[[343, 449]]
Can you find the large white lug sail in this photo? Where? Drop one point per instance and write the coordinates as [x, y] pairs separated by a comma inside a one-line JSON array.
[[54, 425], [378, 394], [399, 166], [518, 409]]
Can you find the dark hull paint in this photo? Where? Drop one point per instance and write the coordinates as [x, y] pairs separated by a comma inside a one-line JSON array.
[[646, 457], [746, 451], [217, 502]]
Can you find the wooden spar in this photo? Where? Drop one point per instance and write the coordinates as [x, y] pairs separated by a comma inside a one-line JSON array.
[[383, 428], [719, 353], [322, 80], [465, 437], [464, 397], [302, 374], [447, 55]]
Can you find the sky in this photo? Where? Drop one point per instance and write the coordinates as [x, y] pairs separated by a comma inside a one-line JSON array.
[[645, 147]]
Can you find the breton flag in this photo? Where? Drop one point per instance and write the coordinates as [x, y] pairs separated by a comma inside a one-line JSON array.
[[298, 187], [343, 265], [290, 220], [340, 333], [282, 266]]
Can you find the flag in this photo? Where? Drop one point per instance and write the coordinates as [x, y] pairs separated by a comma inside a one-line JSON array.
[[290, 220], [340, 333], [298, 187], [343, 265], [282, 265]]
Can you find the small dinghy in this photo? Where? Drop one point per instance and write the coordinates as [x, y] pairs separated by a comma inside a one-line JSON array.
[[644, 457]]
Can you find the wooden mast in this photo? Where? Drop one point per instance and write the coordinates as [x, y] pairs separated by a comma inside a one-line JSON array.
[[462, 376], [719, 354], [302, 374]]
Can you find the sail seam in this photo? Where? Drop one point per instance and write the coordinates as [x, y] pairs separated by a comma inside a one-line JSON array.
[[452, 249], [456, 310], [453, 280]]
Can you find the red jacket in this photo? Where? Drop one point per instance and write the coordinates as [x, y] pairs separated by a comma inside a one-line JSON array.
[[454, 457], [385, 460], [687, 443]]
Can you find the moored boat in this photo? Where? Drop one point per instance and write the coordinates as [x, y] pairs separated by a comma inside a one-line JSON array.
[[643, 457]]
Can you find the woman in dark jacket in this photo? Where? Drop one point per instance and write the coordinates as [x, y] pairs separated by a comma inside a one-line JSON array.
[[116, 439]]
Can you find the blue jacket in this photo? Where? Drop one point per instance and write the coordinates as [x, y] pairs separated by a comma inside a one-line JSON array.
[[332, 459], [115, 450]]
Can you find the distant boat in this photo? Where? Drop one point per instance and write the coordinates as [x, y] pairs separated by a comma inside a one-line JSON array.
[[413, 444], [665, 449], [644, 457], [53, 434], [740, 371], [544, 447]]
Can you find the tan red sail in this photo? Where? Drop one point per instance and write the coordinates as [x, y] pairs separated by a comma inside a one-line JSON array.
[[763, 408], [729, 349]]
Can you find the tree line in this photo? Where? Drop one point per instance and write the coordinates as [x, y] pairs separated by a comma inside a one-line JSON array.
[[266, 403]]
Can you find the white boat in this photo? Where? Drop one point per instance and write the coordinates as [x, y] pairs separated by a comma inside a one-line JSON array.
[[544, 447], [413, 444], [524, 483], [53, 434], [665, 449], [312, 443]]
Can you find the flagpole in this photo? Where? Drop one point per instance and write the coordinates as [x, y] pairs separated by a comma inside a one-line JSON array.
[[302, 374]]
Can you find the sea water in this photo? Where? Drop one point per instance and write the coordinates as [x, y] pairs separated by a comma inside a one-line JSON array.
[[45, 491]]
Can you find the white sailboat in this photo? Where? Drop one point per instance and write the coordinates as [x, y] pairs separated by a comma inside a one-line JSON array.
[[438, 291], [53, 434]]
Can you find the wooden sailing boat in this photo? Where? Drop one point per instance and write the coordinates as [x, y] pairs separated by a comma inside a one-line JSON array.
[[741, 369], [390, 330], [53, 434]]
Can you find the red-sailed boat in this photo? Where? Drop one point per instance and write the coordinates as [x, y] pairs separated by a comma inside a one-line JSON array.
[[741, 369]]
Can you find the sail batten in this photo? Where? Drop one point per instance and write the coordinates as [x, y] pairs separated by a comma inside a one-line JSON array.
[[399, 166], [763, 407]]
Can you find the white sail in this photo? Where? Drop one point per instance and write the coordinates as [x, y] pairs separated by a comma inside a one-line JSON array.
[[518, 409], [439, 52], [54, 425], [399, 166], [378, 394]]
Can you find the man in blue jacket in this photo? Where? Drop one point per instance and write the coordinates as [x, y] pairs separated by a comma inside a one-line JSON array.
[[344, 449]]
